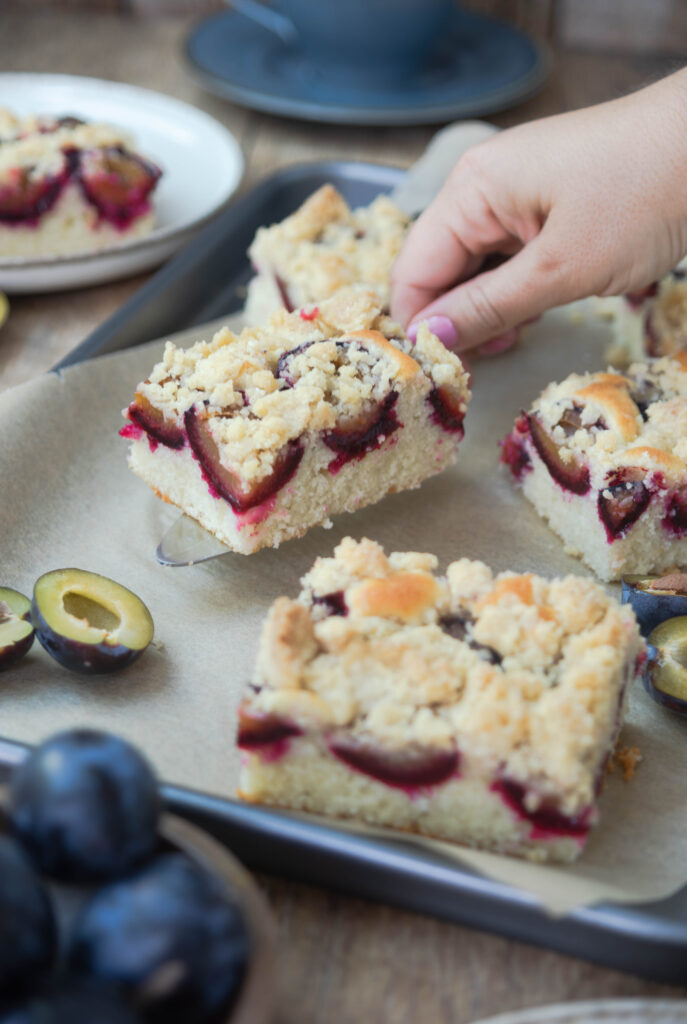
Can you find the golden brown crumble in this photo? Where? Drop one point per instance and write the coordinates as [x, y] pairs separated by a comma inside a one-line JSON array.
[[269, 385], [524, 674]]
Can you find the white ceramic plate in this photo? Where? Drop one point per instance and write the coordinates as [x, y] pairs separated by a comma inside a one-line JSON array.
[[201, 160], [602, 1011]]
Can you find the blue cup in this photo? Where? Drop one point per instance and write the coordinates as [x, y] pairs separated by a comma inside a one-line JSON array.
[[357, 40]]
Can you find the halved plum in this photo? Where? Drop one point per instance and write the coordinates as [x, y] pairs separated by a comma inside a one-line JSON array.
[[448, 409], [622, 500], [655, 598], [89, 623], [24, 197], [261, 730], [675, 518], [16, 628], [665, 672], [117, 182], [571, 473], [228, 485], [546, 821], [152, 420], [408, 768]]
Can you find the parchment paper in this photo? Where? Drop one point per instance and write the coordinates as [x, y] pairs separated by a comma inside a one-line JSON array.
[[68, 498]]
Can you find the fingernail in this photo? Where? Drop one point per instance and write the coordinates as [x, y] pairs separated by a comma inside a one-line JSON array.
[[442, 326], [500, 344]]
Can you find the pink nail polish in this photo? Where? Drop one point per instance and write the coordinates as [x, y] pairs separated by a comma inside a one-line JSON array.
[[442, 326]]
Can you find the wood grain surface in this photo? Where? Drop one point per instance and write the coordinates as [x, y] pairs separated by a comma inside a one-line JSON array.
[[342, 959]]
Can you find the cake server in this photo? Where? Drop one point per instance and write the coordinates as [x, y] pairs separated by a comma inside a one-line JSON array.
[[186, 542]]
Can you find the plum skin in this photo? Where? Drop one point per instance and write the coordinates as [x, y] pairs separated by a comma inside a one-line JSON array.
[[85, 805], [667, 644], [85, 656], [170, 936], [28, 932], [651, 608], [69, 1002], [20, 607]]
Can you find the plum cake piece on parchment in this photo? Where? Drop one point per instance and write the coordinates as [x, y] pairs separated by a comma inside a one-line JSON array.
[[473, 707], [603, 457], [262, 435]]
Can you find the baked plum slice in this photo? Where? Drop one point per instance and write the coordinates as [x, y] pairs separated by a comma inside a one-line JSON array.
[[665, 672], [638, 298], [16, 629], [656, 598], [408, 768], [675, 519], [546, 821], [152, 420], [448, 409], [356, 435], [571, 473], [89, 623], [116, 182], [240, 494], [24, 197], [622, 501], [263, 729]]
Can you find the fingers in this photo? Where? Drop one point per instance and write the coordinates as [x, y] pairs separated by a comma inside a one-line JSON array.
[[431, 261], [489, 307]]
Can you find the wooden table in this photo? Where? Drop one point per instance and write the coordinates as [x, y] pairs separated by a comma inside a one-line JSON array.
[[342, 959]]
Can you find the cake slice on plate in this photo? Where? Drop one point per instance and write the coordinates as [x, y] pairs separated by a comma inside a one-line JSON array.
[[67, 186], [473, 707], [603, 457], [262, 435], [320, 248]]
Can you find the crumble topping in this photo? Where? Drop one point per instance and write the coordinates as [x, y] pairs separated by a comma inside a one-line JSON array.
[[621, 419], [325, 246], [524, 674], [37, 145], [267, 386]]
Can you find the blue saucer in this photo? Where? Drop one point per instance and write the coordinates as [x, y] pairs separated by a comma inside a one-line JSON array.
[[481, 65]]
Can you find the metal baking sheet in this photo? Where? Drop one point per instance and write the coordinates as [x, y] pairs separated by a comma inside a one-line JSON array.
[[204, 282]]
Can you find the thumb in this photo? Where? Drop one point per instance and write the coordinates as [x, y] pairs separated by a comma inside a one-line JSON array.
[[491, 304]]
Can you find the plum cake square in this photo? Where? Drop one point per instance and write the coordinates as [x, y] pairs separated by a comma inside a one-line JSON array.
[[603, 457], [67, 186], [262, 435], [652, 322], [472, 707], [320, 248]]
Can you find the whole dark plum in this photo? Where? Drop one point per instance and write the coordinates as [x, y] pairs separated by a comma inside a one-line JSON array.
[[656, 598], [85, 804], [170, 936], [70, 1002], [28, 934]]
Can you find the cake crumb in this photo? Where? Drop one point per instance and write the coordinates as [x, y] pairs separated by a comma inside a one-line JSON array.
[[627, 759]]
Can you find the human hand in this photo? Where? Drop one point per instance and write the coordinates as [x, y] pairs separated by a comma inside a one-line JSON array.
[[592, 202]]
